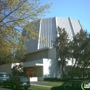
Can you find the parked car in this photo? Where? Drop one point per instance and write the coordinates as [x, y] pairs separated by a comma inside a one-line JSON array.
[[4, 76], [74, 85], [17, 82]]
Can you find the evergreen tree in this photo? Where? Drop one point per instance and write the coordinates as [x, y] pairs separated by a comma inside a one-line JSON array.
[[62, 43], [80, 50]]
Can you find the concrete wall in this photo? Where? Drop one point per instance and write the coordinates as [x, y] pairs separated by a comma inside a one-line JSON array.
[[50, 64], [52, 53], [33, 63], [39, 54], [5, 68], [49, 68]]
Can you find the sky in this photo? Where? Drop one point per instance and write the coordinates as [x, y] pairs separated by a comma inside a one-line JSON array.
[[75, 9]]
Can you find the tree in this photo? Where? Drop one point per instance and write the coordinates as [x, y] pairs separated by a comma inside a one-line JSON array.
[[29, 73], [5, 55], [84, 62], [18, 70], [62, 48], [80, 49], [15, 15]]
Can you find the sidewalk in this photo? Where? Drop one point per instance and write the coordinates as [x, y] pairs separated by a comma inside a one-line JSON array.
[[40, 83]]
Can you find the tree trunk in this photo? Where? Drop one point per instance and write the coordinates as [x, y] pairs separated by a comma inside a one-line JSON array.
[[62, 72], [73, 69], [63, 61]]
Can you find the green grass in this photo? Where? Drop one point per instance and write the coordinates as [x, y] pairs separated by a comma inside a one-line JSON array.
[[39, 88], [53, 83], [47, 84]]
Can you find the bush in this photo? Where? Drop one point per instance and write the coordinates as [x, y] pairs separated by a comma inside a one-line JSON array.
[[55, 79]]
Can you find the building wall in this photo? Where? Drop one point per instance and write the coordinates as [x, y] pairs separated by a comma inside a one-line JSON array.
[[76, 25], [43, 53], [5, 68], [37, 55], [32, 44], [49, 68], [52, 54], [48, 32], [33, 63], [50, 64], [65, 23], [71, 26]]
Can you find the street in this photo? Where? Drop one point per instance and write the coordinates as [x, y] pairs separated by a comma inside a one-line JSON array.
[[8, 88]]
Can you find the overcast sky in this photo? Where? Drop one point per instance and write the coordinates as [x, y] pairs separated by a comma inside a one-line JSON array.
[[76, 9]]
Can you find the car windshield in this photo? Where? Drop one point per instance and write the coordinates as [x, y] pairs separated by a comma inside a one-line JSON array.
[[24, 79], [4, 75]]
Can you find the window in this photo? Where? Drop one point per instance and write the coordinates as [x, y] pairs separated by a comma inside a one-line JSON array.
[[23, 79], [77, 84], [68, 85], [4, 75]]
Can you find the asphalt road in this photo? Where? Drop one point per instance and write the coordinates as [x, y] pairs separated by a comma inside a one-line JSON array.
[[8, 88]]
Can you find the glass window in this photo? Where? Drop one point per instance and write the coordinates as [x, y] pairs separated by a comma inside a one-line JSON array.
[[24, 79], [4, 75], [68, 83], [77, 84]]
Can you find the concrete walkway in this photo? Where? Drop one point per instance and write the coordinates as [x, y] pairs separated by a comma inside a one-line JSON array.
[[41, 85]]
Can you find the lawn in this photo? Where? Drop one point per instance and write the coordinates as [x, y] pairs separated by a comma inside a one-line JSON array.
[[46, 84], [39, 88], [53, 83]]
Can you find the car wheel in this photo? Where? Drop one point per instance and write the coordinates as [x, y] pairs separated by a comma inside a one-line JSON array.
[[14, 87], [4, 84]]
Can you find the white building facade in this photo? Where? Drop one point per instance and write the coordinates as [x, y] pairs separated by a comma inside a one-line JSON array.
[[41, 56], [47, 29]]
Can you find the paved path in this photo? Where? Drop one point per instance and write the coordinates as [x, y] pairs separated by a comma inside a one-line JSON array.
[[41, 85]]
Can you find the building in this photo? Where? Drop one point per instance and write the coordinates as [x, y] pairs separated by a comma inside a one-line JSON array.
[[48, 30], [41, 57]]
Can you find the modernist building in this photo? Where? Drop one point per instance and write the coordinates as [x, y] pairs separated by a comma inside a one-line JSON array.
[[41, 57], [48, 30]]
